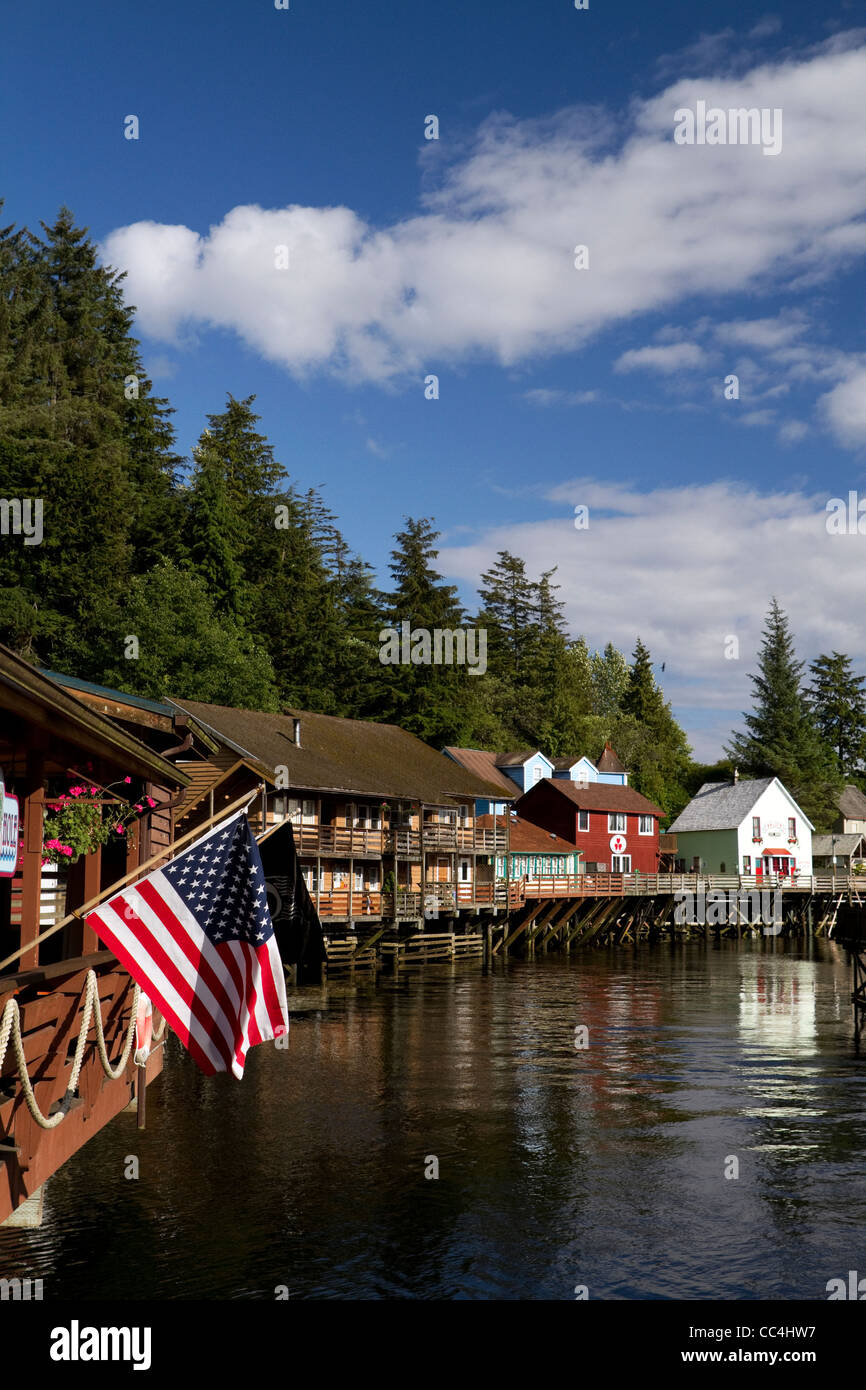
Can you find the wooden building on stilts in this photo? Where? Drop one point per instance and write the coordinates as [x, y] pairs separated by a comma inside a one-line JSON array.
[[60, 992]]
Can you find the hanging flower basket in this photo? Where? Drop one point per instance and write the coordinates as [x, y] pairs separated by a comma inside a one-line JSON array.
[[83, 818]]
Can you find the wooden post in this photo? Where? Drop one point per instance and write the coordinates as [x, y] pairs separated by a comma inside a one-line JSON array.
[[31, 872], [141, 1095]]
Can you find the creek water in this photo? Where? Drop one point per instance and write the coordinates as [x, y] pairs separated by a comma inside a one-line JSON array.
[[559, 1165]]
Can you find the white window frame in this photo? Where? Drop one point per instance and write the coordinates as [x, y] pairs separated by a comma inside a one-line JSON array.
[[640, 821], [613, 819], [536, 774], [583, 829], [617, 861]]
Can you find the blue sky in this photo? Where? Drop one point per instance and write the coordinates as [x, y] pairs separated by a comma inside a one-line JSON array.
[[604, 386]]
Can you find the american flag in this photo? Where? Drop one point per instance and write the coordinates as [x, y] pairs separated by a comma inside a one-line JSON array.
[[197, 937]]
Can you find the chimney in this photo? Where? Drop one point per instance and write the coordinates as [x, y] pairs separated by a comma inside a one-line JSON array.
[[297, 730], [736, 775]]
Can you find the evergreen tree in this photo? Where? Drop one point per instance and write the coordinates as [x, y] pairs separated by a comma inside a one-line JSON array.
[[610, 678], [781, 739], [509, 611], [100, 464], [642, 698], [185, 648], [838, 704], [428, 700]]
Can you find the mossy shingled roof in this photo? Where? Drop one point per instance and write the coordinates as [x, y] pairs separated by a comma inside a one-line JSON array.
[[352, 756]]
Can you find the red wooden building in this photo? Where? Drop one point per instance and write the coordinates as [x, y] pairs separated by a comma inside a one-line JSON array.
[[616, 829]]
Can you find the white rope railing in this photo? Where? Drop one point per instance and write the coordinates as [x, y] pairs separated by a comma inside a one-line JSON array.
[[10, 1028]]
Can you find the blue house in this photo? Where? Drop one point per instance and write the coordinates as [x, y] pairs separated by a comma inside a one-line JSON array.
[[517, 773], [608, 769]]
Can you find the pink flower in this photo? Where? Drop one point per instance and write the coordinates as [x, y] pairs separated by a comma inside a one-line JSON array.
[[139, 808], [150, 801], [120, 829], [127, 779], [65, 849], [94, 791], [77, 791]]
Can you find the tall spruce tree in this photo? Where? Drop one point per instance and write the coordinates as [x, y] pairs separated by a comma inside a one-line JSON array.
[[838, 704], [427, 699], [781, 738], [509, 614], [642, 698], [98, 459]]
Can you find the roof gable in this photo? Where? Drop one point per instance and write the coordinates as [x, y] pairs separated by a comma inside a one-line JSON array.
[[725, 805], [482, 763], [852, 803], [609, 762], [593, 796]]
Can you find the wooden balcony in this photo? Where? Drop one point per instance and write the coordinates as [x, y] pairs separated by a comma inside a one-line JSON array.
[[342, 842], [345, 842]]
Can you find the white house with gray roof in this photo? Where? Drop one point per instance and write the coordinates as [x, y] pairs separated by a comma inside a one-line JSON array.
[[748, 826]]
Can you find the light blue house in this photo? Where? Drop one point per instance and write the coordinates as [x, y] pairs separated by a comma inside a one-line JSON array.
[[513, 773], [608, 769], [517, 773]]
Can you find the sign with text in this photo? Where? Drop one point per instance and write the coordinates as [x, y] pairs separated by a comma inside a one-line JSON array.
[[8, 836]]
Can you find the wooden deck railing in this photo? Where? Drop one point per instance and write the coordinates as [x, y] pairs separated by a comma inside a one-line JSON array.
[[346, 842], [446, 897]]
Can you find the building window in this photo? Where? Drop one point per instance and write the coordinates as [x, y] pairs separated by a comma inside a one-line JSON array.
[[365, 817], [645, 825], [310, 878], [792, 828], [756, 827], [536, 775], [616, 823], [358, 881], [722, 867], [747, 863], [620, 864], [583, 820], [340, 876]]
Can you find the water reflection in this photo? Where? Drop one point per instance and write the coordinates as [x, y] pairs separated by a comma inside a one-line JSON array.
[[557, 1165]]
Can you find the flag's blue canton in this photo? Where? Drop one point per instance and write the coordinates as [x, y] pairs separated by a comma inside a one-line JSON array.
[[222, 883]]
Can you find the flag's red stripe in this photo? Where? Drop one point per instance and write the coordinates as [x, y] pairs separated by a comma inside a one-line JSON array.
[[163, 960], [269, 988], [200, 964], [253, 1036], [135, 965]]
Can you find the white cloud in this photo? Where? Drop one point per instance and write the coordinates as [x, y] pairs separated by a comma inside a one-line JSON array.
[[671, 357], [684, 568], [844, 408], [542, 395], [763, 333], [793, 431], [485, 269]]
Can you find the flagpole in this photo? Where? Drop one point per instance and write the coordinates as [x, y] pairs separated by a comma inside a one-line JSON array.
[[76, 913]]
